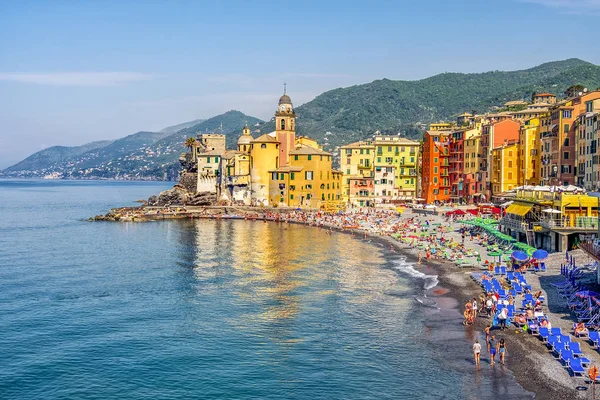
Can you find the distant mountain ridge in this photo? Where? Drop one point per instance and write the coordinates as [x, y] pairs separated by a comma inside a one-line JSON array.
[[334, 118], [140, 156]]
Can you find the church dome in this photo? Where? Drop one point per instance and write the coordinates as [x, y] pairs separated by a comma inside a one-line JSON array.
[[244, 139], [285, 99]]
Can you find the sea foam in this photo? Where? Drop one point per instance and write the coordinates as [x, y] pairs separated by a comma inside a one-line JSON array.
[[430, 280]]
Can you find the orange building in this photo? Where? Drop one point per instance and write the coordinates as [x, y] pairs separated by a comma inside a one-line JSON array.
[[494, 134], [435, 176]]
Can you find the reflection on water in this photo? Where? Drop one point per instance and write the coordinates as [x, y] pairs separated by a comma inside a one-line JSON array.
[[275, 273]]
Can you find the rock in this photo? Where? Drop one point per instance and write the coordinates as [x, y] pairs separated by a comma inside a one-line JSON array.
[[189, 180], [203, 199], [176, 196]]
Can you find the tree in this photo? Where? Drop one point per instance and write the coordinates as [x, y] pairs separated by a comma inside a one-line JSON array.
[[573, 90], [189, 143]]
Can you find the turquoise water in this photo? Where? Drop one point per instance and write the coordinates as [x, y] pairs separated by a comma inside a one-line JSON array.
[[213, 309]]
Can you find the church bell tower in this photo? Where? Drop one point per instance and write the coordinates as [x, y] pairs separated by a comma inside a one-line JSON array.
[[285, 129]]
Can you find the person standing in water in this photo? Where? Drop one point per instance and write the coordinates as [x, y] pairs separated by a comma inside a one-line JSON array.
[[502, 350], [493, 349], [477, 351]]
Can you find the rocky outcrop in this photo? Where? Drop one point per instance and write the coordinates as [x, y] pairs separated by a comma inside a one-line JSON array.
[[178, 195], [189, 180], [203, 199]]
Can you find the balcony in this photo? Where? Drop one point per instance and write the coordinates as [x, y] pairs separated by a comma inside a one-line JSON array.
[[575, 223], [514, 224], [361, 166]]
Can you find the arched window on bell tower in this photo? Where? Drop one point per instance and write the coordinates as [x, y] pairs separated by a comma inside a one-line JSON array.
[[283, 124]]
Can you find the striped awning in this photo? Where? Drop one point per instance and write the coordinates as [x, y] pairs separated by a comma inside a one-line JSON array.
[[518, 208]]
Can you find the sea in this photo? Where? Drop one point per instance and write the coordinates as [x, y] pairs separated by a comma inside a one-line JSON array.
[[216, 309]]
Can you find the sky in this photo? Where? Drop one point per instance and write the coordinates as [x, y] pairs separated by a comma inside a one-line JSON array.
[[72, 72]]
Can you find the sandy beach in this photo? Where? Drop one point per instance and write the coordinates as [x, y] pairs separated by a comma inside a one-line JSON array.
[[532, 364]]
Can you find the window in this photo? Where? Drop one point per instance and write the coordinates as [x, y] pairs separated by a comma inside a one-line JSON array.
[[567, 114], [322, 196], [388, 160], [378, 159], [435, 170], [274, 176], [308, 175], [309, 157], [282, 124], [435, 160], [368, 151], [510, 176], [263, 146], [292, 187], [566, 155], [510, 154], [281, 177], [296, 158], [510, 164], [291, 197], [308, 187], [208, 160], [361, 151], [412, 159], [348, 171], [349, 152], [435, 179], [566, 128], [292, 176], [389, 148]]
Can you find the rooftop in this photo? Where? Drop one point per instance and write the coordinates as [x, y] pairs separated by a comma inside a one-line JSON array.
[[308, 150]]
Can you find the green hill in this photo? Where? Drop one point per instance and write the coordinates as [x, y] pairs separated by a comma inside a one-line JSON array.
[[55, 155], [391, 107]]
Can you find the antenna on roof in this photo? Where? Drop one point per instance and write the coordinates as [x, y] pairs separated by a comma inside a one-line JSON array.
[[284, 87]]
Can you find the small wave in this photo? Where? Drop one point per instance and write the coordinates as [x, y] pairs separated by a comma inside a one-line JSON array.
[[431, 281], [426, 301]]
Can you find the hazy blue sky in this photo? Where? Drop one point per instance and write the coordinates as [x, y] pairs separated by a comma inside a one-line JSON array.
[[74, 71]]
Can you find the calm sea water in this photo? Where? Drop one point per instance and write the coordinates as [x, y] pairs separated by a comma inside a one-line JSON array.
[[213, 309]]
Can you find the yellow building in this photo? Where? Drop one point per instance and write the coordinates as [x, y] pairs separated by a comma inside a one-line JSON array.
[[356, 160], [307, 182], [398, 158], [441, 126], [472, 153], [530, 148], [290, 171], [264, 157], [505, 168]]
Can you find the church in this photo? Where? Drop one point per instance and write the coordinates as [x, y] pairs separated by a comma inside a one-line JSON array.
[[276, 169]]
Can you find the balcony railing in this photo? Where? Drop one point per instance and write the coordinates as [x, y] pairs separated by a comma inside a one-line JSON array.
[[577, 223], [513, 224]]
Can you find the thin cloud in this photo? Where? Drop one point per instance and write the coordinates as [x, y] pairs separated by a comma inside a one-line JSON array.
[[569, 6], [76, 78], [315, 75]]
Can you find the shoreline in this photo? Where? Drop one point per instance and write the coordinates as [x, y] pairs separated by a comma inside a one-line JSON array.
[[528, 356]]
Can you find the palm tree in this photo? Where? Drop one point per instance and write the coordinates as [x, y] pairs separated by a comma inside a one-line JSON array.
[[189, 143]]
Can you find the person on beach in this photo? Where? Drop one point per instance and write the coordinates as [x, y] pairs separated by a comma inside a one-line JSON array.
[[489, 305], [493, 348], [474, 307], [420, 257], [487, 336], [502, 317], [477, 351], [502, 350]]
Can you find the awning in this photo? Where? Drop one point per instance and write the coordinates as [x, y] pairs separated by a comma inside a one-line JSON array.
[[519, 209]]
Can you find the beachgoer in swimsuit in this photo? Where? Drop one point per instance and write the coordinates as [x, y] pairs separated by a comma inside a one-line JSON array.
[[502, 350], [492, 346], [477, 351]]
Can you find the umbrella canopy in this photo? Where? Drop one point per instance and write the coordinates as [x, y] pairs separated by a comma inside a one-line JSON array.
[[551, 211], [494, 254], [540, 254], [520, 256], [587, 293]]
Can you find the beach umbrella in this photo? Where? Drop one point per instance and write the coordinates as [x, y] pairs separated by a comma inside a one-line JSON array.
[[540, 254], [519, 256], [495, 254]]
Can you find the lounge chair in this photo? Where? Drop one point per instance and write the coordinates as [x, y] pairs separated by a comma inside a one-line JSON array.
[[576, 367], [594, 337]]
